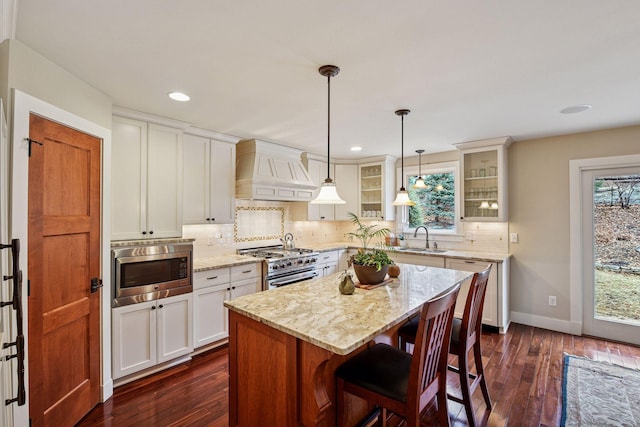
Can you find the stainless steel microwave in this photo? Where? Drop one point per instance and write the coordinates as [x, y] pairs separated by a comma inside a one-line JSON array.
[[148, 272]]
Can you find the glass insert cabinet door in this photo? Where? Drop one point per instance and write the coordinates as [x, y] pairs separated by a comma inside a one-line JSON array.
[[481, 184], [484, 188], [371, 191]]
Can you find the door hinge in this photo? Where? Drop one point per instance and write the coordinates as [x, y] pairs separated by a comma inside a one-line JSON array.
[[31, 142], [96, 283]]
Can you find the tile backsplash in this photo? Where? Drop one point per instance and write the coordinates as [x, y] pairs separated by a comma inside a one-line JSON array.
[[262, 223]]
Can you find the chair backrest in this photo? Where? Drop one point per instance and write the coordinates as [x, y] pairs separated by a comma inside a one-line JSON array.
[[430, 351], [472, 316]]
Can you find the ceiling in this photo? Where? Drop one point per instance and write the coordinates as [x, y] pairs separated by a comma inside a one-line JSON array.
[[467, 70]]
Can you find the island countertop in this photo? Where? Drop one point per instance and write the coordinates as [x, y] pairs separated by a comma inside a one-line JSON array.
[[316, 312]]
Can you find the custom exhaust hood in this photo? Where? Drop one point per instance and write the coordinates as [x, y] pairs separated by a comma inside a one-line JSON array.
[[267, 171]]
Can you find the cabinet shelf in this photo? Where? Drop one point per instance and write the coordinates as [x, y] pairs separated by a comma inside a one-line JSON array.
[[481, 178]]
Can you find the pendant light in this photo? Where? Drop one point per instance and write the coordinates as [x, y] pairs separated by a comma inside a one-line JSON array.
[[402, 198], [419, 184], [328, 194]]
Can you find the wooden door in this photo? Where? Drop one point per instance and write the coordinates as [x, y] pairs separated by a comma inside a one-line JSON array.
[[64, 255]]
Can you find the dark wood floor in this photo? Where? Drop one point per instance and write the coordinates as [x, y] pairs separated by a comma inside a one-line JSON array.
[[523, 368]]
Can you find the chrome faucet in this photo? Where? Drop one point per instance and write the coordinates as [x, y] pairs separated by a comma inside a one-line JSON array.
[[415, 233]]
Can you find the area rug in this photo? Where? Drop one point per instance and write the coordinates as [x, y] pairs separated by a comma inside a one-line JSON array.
[[599, 394]]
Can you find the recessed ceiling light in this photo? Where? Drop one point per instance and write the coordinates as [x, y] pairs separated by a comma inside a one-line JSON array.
[[179, 96], [356, 148], [575, 109]]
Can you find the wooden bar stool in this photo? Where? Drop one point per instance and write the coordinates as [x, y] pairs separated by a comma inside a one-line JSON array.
[[465, 336], [397, 381]]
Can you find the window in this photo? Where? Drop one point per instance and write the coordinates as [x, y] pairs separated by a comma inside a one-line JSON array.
[[436, 205]]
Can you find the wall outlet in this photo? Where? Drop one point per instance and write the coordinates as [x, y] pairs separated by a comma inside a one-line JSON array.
[[514, 238], [470, 235], [552, 300], [210, 240]]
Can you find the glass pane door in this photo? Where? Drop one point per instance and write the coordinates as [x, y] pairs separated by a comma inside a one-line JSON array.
[[612, 265]]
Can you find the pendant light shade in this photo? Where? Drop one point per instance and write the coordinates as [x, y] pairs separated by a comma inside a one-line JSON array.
[[419, 184], [402, 198], [328, 194]]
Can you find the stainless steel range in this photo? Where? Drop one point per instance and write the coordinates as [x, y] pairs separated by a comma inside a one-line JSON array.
[[284, 266]]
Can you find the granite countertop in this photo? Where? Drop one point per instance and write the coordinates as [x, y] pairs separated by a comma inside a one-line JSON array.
[[451, 253], [315, 311], [448, 253], [209, 263]]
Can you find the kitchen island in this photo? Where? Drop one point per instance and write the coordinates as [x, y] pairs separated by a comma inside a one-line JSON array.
[[285, 344]]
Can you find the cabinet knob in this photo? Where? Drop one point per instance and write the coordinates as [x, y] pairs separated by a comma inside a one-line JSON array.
[[161, 306], [151, 232], [233, 287], [208, 219], [213, 219], [228, 289], [144, 232], [153, 307]]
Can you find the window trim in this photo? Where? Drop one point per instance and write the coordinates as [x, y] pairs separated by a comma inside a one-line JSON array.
[[441, 167]]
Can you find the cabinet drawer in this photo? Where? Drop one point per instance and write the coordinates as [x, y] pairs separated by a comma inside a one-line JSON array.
[[245, 271], [331, 256], [204, 279]]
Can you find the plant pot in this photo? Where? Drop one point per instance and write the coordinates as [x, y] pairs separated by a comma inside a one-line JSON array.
[[368, 274]]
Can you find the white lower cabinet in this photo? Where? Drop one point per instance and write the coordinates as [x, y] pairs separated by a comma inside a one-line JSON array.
[[496, 300], [150, 333], [211, 289], [328, 263]]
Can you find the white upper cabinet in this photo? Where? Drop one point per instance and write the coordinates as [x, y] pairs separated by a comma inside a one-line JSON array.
[[209, 181], [305, 211], [376, 186], [346, 177], [484, 179], [146, 181]]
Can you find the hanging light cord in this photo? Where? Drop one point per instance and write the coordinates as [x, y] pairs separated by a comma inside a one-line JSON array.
[[328, 127], [402, 149]]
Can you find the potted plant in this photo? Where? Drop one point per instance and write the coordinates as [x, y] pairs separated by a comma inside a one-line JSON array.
[[370, 265]]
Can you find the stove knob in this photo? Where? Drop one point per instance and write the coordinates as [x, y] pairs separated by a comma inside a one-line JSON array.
[[300, 261], [313, 260], [289, 264], [274, 267], [282, 266]]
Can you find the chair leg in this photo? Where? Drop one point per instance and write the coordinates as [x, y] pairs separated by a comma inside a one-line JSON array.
[[463, 371], [477, 355], [443, 407], [382, 418]]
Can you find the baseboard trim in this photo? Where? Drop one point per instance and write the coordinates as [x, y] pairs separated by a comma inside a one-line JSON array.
[[565, 326], [107, 390]]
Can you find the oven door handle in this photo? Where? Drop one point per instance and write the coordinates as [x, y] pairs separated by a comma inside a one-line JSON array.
[[308, 275]]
